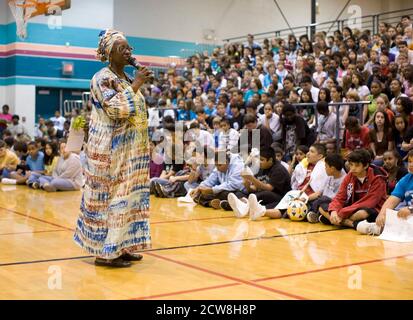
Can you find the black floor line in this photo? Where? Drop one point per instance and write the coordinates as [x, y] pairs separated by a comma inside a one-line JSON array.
[[173, 248]]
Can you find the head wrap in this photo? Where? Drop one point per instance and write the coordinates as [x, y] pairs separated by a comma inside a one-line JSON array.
[[107, 38]]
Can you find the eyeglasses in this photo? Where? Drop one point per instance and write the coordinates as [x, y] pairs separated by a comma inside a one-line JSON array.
[[122, 49]]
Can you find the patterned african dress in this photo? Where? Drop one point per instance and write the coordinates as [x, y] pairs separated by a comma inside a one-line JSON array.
[[114, 212]]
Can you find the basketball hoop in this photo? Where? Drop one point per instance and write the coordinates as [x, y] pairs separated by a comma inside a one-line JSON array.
[[23, 10]]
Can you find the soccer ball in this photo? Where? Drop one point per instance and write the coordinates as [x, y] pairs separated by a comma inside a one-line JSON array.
[[297, 210]]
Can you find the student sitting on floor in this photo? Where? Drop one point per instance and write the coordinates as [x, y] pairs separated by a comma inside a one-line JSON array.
[[51, 157], [156, 165], [309, 176], [173, 157], [268, 187], [400, 199], [66, 176], [201, 169], [226, 178], [361, 194], [34, 164], [299, 155], [8, 160], [279, 155], [334, 168]]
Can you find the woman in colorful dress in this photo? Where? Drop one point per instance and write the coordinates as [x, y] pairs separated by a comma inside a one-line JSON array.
[[113, 224]]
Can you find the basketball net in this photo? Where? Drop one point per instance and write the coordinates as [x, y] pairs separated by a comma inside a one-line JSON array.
[[22, 10]]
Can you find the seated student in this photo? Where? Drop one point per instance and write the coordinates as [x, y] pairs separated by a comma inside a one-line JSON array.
[[53, 132], [381, 137], [201, 168], [299, 155], [156, 165], [393, 164], [8, 160], [327, 123], [9, 142], [309, 176], [237, 120], [186, 111], [311, 168], [279, 155], [217, 130], [51, 157], [356, 136], [264, 134], [20, 149], [205, 122], [174, 187], [210, 109], [196, 135], [17, 130], [265, 190], [66, 176], [34, 164], [251, 108], [361, 194], [271, 121], [400, 199], [172, 159], [221, 110], [334, 168], [226, 178], [331, 148], [228, 137]]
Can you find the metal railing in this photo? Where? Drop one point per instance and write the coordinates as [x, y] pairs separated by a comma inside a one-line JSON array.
[[337, 105], [69, 105], [368, 22]]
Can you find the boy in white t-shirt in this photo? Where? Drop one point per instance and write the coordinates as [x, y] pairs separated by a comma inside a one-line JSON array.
[[228, 137], [58, 120], [334, 164]]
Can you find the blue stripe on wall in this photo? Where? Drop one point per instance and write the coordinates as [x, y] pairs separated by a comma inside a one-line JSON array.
[[27, 66], [46, 67], [3, 34], [88, 38], [52, 83]]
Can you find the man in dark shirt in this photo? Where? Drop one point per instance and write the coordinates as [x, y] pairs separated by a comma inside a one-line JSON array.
[[295, 130]]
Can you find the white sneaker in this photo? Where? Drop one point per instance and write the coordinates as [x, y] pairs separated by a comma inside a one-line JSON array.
[[256, 210], [8, 181], [365, 227], [240, 208]]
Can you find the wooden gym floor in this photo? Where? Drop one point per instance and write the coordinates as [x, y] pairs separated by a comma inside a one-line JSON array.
[[197, 253]]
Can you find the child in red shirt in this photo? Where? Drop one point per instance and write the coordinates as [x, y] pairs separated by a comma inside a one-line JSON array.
[[362, 192]]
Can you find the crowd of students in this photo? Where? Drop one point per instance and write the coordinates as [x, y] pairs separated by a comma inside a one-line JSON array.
[[287, 91], [41, 163], [351, 163]]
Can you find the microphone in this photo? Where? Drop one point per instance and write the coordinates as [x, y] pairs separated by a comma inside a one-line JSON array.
[[134, 63]]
